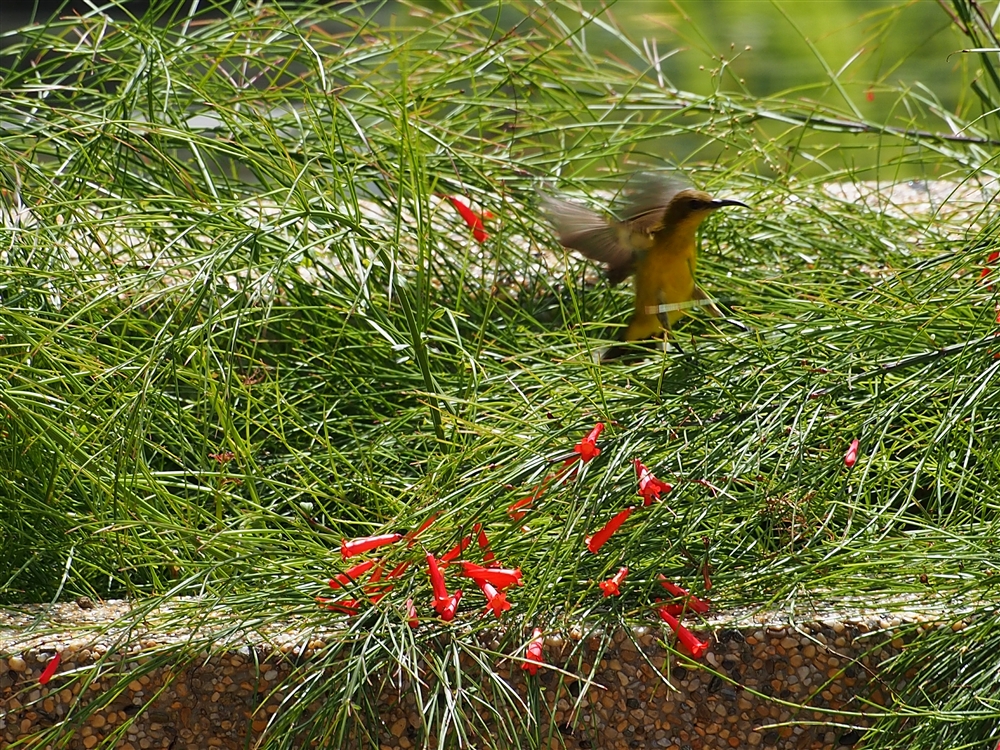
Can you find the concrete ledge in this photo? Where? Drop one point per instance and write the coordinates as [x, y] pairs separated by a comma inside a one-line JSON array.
[[767, 683]]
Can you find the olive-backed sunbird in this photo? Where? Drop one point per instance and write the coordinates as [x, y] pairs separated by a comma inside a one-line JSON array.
[[652, 236]]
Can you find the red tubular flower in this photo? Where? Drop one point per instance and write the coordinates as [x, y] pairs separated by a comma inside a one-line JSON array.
[[515, 512], [345, 606], [499, 577], [496, 601], [437, 582], [366, 543], [484, 545], [411, 614], [534, 658], [611, 586], [851, 457], [993, 258], [447, 612], [673, 609], [587, 448], [474, 220], [399, 569], [454, 552], [649, 486], [351, 575], [597, 541], [691, 603], [412, 535], [50, 669], [688, 639]]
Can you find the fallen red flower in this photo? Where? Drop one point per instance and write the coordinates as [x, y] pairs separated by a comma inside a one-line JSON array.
[[596, 541], [534, 658], [474, 220], [351, 575], [454, 552], [496, 601], [691, 602], [851, 457], [688, 640], [499, 577], [650, 488], [447, 612], [411, 614], [50, 669], [366, 543], [611, 586]]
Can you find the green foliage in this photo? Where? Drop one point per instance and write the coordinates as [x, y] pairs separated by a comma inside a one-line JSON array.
[[240, 323]]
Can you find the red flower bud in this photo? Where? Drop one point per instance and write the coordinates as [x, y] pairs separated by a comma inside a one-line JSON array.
[[597, 541], [611, 586], [411, 614], [851, 457], [366, 543]]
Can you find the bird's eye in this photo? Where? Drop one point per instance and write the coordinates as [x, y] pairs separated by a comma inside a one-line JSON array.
[[694, 204]]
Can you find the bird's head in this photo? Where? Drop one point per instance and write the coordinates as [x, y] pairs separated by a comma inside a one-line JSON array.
[[693, 206]]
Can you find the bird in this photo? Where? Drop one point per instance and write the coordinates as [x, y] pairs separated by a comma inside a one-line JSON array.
[[652, 236]]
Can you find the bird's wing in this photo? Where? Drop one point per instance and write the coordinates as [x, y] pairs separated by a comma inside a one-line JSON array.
[[643, 203], [582, 230]]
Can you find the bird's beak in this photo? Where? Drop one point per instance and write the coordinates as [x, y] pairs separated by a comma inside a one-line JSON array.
[[720, 204]]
